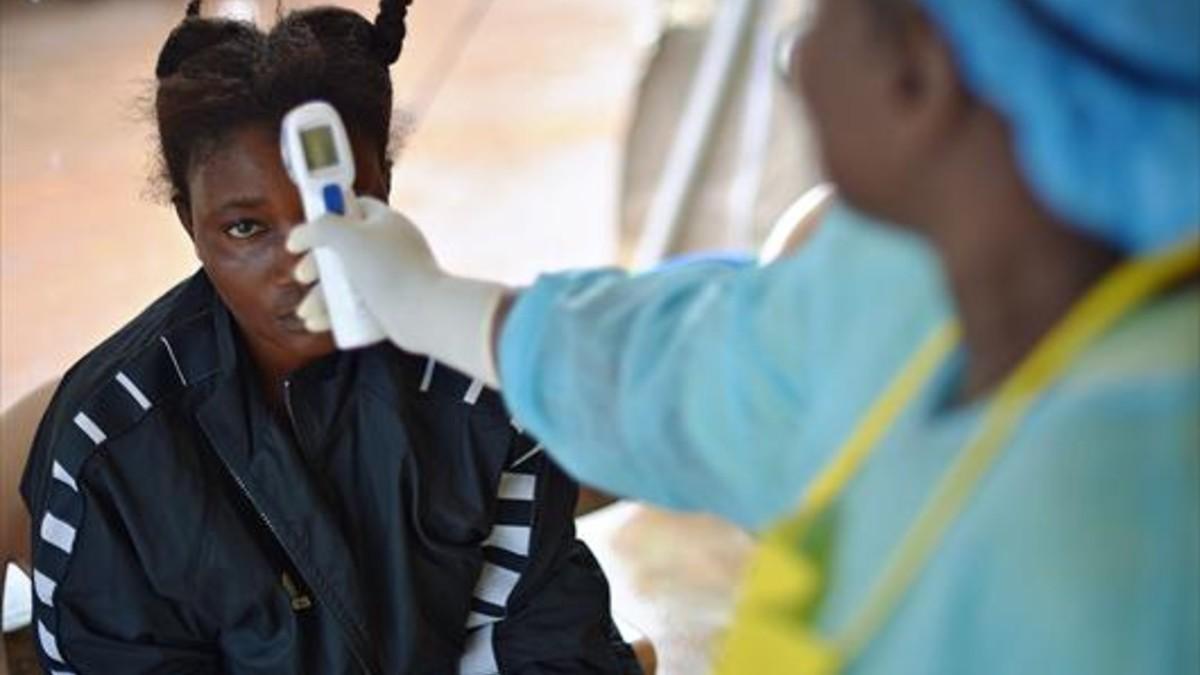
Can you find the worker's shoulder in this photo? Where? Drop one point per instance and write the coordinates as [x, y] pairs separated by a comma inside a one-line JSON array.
[[1145, 371], [1128, 408], [1105, 462], [1157, 342], [1125, 420], [166, 348]]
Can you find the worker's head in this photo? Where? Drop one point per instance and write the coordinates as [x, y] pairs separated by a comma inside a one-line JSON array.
[[223, 88], [1094, 102]]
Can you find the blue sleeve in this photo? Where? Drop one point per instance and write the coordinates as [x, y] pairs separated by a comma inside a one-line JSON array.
[[696, 386]]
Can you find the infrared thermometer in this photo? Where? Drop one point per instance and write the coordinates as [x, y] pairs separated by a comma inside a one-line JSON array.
[[317, 155]]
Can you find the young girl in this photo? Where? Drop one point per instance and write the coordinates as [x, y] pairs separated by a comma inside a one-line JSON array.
[[215, 489]]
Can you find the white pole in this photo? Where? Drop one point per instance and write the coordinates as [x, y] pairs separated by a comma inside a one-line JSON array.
[[755, 133], [727, 35]]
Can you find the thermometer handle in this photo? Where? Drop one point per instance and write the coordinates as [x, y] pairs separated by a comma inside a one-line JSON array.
[[353, 325]]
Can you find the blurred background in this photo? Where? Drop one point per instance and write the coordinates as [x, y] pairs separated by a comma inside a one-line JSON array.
[[542, 134]]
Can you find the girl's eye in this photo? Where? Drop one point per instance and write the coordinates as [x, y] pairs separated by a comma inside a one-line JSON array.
[[244, 229]]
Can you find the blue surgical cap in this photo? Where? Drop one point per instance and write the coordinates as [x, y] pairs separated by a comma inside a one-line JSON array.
[[1103, 100]]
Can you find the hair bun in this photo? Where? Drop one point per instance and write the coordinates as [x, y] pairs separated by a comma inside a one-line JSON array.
[[193, 36], [388, 37]]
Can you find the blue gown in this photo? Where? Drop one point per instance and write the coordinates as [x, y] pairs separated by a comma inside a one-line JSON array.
[[725, 388]]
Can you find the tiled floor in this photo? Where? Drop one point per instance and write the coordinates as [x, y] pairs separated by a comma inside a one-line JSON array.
[[673, 578], [513, 171]]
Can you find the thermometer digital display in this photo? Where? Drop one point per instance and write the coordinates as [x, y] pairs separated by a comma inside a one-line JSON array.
[[319, 149]]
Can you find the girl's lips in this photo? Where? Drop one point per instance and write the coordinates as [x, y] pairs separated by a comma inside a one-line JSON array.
[[292, 323]]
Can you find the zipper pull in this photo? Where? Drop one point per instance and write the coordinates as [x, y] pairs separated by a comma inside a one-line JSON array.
[[300, 601]]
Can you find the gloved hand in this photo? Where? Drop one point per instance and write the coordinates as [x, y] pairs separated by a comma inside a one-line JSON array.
[[420, 307]]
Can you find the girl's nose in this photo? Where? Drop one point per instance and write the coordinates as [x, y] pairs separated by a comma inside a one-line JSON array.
[[284, 262]]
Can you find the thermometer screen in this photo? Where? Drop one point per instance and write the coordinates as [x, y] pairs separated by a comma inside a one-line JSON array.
[[319, 150]]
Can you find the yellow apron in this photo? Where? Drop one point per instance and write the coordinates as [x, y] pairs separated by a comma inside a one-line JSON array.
[[773, 628]]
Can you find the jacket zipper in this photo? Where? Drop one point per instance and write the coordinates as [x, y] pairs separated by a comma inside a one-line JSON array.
[[347, 629], [362, 662]]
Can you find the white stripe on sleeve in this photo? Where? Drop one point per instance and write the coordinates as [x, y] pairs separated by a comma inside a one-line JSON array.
[[521, 460], [517, 486], [60, 474], [477, 619], [427, 376], [133, 391], [496, 584], [44, 587], [49, 643], [479, 658], [57, 532], [514, 538], [473, 392], [89, 427]]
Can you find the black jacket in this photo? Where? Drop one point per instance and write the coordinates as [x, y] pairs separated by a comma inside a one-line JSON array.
[[396, 522]]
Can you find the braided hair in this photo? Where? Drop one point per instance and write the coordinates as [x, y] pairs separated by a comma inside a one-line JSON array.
[[216, 75]]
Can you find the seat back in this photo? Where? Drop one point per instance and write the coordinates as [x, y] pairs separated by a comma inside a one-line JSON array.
[[18, 423]]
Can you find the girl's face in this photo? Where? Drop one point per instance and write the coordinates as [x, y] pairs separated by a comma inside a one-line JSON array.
[[243, 204]]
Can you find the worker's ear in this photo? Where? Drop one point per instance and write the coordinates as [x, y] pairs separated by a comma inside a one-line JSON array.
[[929, 99]]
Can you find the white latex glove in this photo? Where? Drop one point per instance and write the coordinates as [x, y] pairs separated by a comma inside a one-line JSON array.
[[420, 307]]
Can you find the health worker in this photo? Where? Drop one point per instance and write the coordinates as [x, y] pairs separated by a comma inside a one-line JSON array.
[[971, 438]]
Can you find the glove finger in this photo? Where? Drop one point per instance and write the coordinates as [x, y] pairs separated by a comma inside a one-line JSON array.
[[315, 312], [302, 238], [313, 304], [318, 323], [319, 232], [372, 209], [306, 271]]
